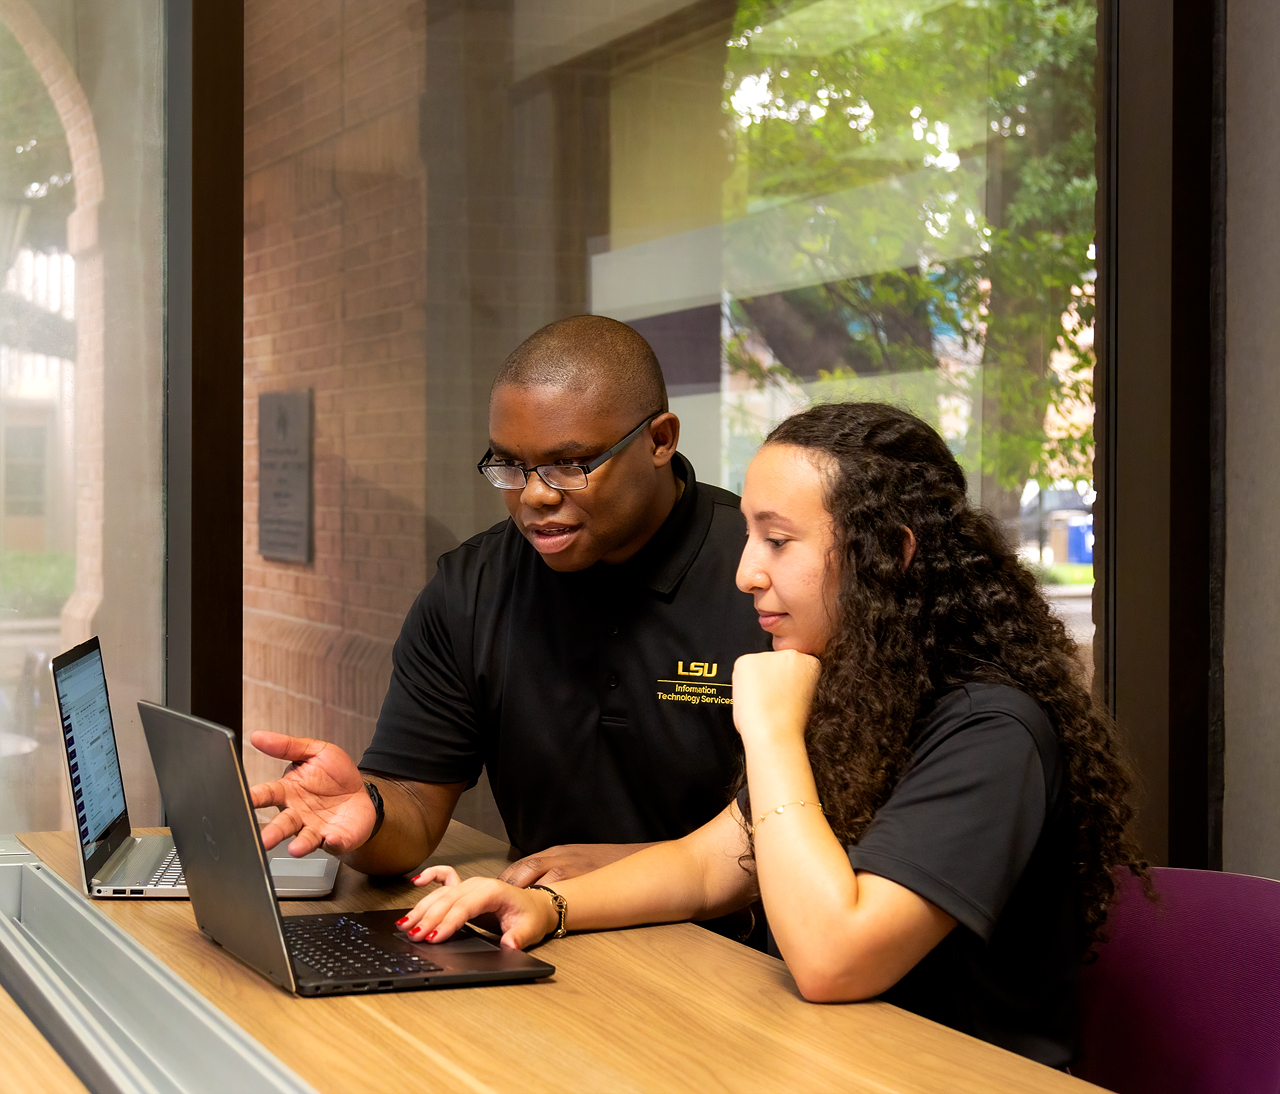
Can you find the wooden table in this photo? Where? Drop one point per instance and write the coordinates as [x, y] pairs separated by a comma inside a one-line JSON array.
[[28, 1063], [670, 1008]]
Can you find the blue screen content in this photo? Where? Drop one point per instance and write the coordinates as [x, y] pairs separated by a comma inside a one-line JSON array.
[[96, 789]]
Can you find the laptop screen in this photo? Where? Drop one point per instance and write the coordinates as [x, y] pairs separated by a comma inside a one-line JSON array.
[[96, 788]]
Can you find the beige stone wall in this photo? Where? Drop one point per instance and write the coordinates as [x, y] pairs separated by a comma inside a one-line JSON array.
[[334, 241], [79, 616], [102, 72]]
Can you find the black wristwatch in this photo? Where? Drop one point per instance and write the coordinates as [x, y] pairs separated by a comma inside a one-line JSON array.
[[379, 808]]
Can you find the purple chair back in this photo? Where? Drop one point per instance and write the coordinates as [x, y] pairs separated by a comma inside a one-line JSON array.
[[1185, 997]]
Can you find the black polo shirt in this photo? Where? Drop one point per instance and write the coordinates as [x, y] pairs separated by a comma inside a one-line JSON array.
[[599, 701], [978, 825]]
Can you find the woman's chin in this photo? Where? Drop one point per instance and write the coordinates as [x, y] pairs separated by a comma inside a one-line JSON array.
[[791, 642]]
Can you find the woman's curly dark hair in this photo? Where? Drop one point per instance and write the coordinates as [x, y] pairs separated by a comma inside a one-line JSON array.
[[964, 610]]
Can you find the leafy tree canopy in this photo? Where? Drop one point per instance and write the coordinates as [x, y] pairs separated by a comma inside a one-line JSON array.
[[832, 95]]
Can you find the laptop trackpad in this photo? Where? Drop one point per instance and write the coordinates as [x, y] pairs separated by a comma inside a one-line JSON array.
[[467, 944], [298, 867]]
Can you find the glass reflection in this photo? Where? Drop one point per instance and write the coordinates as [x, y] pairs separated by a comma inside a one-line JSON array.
[[81, 382], [832, 199], [37, 385], [906, 212]]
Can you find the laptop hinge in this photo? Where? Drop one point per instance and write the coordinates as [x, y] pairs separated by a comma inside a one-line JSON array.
[[113, 863]]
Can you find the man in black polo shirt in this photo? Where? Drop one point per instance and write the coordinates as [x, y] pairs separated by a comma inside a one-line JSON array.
[[580, 651]]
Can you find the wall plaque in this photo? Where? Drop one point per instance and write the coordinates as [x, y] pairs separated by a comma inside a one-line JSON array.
[[284, 476]]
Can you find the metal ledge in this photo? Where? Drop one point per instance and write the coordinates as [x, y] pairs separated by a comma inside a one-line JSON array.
[[123, 1022]]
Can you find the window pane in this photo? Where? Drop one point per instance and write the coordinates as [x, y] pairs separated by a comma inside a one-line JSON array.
[[832, 199], [24, 471], [81, 382]]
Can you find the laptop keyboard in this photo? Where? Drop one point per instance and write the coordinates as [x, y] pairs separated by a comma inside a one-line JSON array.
[[170, 874], [344, 948]]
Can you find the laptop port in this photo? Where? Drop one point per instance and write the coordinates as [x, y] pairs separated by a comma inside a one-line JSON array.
[[384, 983], [117, 892], [359, 987], [135, 892]]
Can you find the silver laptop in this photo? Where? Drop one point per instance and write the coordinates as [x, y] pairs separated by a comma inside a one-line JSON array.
[[207, 798], [113, 861]]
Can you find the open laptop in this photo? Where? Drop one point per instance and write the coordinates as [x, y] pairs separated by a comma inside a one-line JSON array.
[[207, 801], [113, 861]]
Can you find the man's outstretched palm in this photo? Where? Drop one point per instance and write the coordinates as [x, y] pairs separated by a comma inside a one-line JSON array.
[[321, 796]]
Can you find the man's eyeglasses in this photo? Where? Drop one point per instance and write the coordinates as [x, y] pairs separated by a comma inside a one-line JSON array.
[[564, 475]]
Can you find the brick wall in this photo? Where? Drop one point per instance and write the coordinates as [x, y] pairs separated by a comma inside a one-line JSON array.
[[334, 244], [398, 334]]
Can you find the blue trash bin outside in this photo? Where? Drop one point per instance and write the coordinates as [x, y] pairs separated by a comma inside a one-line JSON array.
[[1080, 539]]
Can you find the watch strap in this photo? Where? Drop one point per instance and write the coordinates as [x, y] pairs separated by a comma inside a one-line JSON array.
[[380, 809]]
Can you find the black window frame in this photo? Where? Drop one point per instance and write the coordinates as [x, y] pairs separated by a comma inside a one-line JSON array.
[[1161, 411], [204, 355]]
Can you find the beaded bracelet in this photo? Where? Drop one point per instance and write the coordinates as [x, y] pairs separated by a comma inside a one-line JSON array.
[[779, 809]]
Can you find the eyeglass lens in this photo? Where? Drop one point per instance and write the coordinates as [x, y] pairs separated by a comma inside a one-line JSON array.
[[511, 477]]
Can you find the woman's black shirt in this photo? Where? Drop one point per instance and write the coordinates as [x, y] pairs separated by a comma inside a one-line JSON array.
[[977, 826]]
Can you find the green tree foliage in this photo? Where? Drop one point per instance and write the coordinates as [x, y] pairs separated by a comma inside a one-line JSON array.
[[36, 585], [834, 95]]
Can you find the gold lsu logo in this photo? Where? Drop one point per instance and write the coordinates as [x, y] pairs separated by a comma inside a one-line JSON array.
[[697, 668]]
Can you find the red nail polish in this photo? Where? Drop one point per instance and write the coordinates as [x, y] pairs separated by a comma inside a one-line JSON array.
[[432, 935], [402, 921]]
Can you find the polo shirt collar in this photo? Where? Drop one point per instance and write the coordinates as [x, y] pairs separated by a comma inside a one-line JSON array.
[[662, 562]]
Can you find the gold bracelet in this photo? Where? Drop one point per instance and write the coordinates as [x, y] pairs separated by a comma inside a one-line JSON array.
[[560, 905], [779, 809]]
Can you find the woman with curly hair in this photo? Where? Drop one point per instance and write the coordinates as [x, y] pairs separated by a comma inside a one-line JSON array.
[[933, 805]]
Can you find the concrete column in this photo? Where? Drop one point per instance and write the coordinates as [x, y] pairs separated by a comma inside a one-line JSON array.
[[1251, 837]]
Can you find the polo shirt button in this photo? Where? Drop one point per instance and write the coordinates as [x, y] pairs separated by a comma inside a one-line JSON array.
[[613, 680]]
